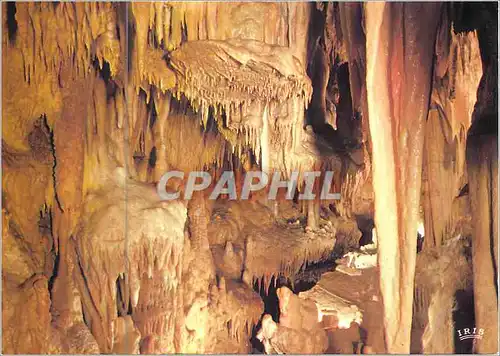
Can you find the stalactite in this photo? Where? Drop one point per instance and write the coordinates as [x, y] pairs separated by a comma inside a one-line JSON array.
[[68, 35]]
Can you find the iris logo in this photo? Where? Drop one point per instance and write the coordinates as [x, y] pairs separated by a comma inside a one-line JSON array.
[[470, 333]]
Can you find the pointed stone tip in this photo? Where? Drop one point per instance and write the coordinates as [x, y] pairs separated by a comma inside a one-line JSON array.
[[247, 278], [214, 290], [229, 250], [222, 284]]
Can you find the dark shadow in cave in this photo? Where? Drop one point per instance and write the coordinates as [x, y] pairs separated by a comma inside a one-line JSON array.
[[269, 297], [257, 346], [365, 225], [271, 306], [303, 281], [152, 158], [104, 70], [463, 317], [311, 274], [123, 302], [11, 21], [45, 224], [344, 137]]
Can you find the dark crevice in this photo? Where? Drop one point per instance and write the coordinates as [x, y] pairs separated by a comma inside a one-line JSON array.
[[54, 273], [365, 225], [54, 157], [303, 281], [154, 115], [11, 22], [152, 158], [46, 233], [104, 72], [464, 190], [45, 221], [105, 75], [463, 317], [184, 33], [312, 273], [117, 32], [123, 302], [257, 346], [131, 40], [271, 306], [420, 242]]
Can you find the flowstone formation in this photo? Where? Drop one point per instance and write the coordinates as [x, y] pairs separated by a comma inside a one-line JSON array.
[[392, 105]]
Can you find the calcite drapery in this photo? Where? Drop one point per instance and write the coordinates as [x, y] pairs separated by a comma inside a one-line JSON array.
[[457, 75], [128, 239]]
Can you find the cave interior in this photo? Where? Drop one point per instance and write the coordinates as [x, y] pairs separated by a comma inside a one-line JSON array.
[[398, 101]]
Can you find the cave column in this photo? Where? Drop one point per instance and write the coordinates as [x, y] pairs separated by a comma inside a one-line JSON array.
[[400, 48], [69, 146], [482, 162]]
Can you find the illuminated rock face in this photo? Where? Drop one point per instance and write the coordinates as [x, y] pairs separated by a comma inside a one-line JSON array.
[[101, 99]]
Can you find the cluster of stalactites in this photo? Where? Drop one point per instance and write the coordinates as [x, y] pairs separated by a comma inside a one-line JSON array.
[[459, 68], [229, 71], [245, 83], [261, 270], [169, 24], [259, 125], [51, 35]]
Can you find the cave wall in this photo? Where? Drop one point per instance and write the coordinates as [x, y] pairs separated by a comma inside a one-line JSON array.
[[457, 75], [482, 168]]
